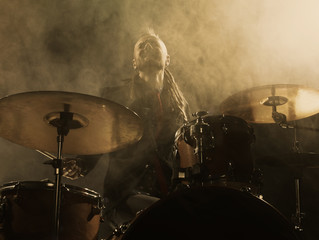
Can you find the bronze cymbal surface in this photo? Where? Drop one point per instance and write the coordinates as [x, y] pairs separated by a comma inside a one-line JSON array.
[[257, 104], [97, 125]]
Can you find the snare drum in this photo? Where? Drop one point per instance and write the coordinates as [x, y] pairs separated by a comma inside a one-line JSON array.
[[28, 211], [209, 213], [228, 155]]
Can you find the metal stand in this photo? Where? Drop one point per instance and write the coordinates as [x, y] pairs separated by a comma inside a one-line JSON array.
[[58, 173], [63, 124], [281, 119], [203, 139], [298, 215]]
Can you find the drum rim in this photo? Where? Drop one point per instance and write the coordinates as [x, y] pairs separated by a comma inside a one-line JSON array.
[[218, 188], [181, 130], [15, 185], [219, 117], [267, 207]]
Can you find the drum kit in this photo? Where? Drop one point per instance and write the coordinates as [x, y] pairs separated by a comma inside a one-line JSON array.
[[51, 121], [220, 194]]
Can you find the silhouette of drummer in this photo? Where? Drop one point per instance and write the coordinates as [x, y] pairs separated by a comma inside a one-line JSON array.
[[141, 174]]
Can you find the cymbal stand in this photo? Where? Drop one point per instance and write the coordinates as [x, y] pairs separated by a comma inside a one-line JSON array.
[[281, 119], [63, 125], [273, 101], [62, 130], [298, 215]]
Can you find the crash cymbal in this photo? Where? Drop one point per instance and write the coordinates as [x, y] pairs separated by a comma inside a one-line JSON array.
[[257, 104], [97, 125]]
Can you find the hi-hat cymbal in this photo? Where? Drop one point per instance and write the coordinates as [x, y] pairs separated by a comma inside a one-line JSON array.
[[256, 104], [31, 119]]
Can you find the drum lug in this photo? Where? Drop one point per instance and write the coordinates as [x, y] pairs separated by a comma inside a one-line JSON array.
[[224, 129], [121, 229], [94, 211], [246, 189]]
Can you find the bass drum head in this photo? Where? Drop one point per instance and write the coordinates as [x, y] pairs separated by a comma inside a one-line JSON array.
[[210, 213]]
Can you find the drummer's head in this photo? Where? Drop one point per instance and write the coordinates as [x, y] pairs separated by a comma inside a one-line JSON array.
[[150, 53]]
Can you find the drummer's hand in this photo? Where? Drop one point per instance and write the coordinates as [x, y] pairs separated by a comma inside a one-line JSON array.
[[72, 168]]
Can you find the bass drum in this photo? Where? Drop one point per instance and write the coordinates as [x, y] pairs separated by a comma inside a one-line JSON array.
[[27, 212], [228, 154], [209, 213]]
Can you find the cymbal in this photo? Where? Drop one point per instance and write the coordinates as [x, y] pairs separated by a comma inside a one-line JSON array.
[[256, 104], [98, 125]]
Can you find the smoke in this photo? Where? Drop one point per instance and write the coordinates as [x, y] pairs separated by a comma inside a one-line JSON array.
[[217, 48]]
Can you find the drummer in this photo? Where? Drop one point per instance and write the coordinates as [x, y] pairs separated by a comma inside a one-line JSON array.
[[141, 174]]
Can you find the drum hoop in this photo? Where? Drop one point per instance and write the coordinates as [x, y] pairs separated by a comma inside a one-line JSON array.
[[181, 130], [259, 202], [36, 185]]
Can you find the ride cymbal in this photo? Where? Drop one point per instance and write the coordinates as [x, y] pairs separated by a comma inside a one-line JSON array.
[[258, 104], [96, 125]]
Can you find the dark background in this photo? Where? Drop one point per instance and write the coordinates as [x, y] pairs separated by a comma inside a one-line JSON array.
[[217, 48]]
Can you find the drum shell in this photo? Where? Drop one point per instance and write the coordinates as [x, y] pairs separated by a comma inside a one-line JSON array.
[[29, 211], [232, 138], [210, 212]]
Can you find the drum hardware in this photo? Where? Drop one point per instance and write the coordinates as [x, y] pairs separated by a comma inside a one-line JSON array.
[[201, 133], [64, 123], [95, 210], [227, 154], [29, 213], [288, 102], [120, 230], [107, 126], [297, 160], [298, 216], [273, 101], [219, 212], [48, 155], [98, 126]]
